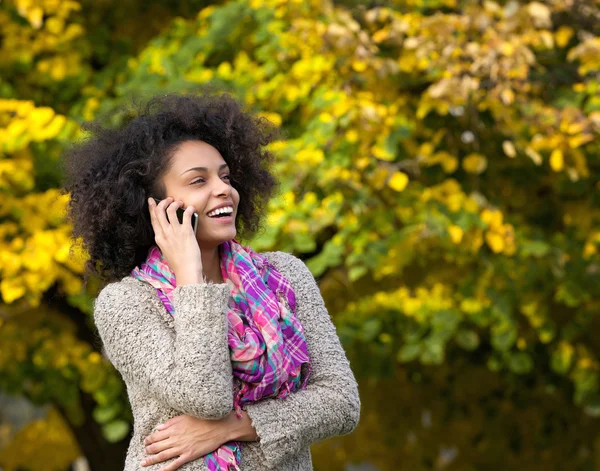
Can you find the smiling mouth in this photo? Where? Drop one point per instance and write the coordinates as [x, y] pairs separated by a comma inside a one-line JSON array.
[[221, 217], [221, 212]]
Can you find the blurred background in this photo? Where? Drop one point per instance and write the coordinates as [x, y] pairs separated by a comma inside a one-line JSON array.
[[440, 177]]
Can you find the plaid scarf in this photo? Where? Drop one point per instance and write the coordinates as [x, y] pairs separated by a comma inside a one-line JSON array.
[[266, 340]]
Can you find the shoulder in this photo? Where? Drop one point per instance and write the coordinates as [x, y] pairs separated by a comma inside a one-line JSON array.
[[290, 266], [128, 288], [298, 274], [129, 292]]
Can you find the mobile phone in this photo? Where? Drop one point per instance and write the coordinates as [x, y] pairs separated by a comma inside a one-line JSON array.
[[180, 216]]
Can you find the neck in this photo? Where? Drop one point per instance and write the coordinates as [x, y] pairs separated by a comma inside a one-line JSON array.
[[211, 265]]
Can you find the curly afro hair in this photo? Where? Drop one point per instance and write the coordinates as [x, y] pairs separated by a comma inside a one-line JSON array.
[[111, 173]]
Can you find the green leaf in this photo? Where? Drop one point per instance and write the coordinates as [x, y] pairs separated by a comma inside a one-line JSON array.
[[109, 391], [409, 352], [304, 242], [445, 321], [503, 338], [330, 256], [534, 248], [561, 360], [115, 431], [592, 405], [520, 363], [104, 414], [93, 379], [571, 294], [433, 352], [467, 339], [356, 272], [370, 329]]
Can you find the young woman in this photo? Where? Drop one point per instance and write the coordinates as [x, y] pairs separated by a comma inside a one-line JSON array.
[[229, 356]]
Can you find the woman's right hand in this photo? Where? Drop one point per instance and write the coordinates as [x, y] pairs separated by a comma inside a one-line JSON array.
[[177, 241]]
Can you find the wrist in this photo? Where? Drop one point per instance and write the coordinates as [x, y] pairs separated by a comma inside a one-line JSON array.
[[189, 279], [240, 429]]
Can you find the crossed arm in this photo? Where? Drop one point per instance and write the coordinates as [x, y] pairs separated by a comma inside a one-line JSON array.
[[189, 369]]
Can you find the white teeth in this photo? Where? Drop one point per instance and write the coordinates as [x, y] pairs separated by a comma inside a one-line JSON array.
[[227, 209]]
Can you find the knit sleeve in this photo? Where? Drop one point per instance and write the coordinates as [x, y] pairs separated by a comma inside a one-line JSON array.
[[187, 367], [330, 404]]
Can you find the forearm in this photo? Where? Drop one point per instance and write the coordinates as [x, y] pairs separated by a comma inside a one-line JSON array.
[[239, 429], [285, 426], [202, 352], [188, 367], [330, 404]]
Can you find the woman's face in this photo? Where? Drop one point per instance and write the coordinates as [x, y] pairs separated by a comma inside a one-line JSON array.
[[199, 177]]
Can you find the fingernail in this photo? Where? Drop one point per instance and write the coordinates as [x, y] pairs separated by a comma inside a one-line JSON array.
[[160, 426], [143, 463]]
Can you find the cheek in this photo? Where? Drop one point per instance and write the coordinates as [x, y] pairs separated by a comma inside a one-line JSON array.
[[235, 196]]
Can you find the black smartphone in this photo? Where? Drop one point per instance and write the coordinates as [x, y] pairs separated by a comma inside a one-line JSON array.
[[180, 216]]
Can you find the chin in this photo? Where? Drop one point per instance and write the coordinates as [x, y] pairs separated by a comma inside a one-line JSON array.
[[218, 239]]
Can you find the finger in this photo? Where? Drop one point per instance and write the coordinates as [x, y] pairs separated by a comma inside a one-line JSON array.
[[171, 421], [172, 212], [151, 208], [156, 437], [162, 456], [176, 464], [160, 214], [156, 227], [187, 215], [159, 446]]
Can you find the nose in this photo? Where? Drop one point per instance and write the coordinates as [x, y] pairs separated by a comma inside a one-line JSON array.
[[221, 188]]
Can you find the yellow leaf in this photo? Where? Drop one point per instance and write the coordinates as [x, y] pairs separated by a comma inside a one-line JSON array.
[[325, 118], [533, 155], [352, 136], [507, 49], [381, 35], [507, 96], [35, 17], [12, 289], [495, 242], [540, 14], [449, 163], [579, 139], [509, 149], [55, 25], [563, 35], [474, 163], [557, 160], [398, 181], [588, 250], [576, 127], [359, 66], [310, 156], [492, 217], [52, 129], [275, 118], [362, 162], [207, 11], [456, 234], [381, 153]]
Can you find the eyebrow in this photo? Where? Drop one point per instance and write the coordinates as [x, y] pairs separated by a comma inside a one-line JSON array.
[[203, 168]]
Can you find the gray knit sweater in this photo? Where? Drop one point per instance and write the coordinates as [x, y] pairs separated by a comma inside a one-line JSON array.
[[181, 365]]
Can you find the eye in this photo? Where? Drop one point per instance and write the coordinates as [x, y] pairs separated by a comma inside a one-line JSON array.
[[228, 176], [197, 181]]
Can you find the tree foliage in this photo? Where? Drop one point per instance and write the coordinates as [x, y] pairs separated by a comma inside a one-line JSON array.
[[439, 173]]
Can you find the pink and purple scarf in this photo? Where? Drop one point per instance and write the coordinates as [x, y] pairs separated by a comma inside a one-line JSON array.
[[266, 341]]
